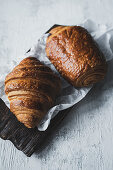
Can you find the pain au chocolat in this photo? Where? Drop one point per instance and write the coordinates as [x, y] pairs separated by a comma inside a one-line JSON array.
[[31, 89], [75, 54]]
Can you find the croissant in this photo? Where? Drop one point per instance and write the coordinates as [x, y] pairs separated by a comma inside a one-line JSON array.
[[76, 55], [31, 89]]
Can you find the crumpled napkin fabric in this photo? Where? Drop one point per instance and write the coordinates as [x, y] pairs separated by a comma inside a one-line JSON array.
[[69, 95]]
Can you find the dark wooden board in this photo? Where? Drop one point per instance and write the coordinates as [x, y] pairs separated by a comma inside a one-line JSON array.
[[24, 139]]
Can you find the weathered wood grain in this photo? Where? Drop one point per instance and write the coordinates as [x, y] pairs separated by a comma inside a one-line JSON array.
[[24, 139]]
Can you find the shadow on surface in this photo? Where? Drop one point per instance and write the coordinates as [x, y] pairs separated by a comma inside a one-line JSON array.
[[96, 96]]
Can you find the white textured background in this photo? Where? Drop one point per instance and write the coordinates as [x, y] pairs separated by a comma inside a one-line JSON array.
[[84, 140]]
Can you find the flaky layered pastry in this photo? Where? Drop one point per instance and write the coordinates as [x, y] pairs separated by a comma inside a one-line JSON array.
[[76, 55], [31, 89]]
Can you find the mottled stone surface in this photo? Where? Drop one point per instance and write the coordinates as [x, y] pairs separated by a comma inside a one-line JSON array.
[[84, 140]]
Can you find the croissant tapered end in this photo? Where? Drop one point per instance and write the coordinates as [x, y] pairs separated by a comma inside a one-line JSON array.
[[31, 89], [76, 55], [28, 120]]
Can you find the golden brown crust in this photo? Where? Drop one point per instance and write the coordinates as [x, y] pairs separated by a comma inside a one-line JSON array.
[[31, 88], [75, 55]]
